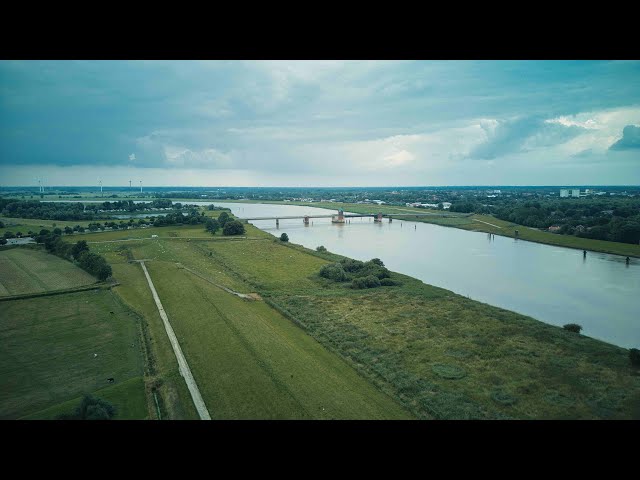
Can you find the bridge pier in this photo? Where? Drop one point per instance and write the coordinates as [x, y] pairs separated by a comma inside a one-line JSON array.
[[378, 218], [277, 223], [390, 219], [306, 220]]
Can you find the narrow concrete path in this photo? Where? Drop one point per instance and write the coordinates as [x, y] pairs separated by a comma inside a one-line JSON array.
[[185, 371], [246, 296]]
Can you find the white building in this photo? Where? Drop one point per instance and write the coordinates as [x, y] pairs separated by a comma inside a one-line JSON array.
[[569, 192]]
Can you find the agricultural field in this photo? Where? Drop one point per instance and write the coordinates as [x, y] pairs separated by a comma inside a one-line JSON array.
[[29, 270], [58, 347]]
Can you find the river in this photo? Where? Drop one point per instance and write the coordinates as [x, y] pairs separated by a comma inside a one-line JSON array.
[[552, 284]]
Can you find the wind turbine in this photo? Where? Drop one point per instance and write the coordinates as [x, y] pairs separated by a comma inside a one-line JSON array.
[[140, 186], [100, 181]]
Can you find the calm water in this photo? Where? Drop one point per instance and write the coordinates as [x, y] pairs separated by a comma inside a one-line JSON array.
[[552, 284]]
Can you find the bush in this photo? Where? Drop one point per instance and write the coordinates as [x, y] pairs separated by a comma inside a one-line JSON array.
[[333, 271], [284, 237], [377, 261], [387, 282], [232, 227], [365, 282], [634, 356], [321, 249], [572, 327], [91, 408], [350, 265]]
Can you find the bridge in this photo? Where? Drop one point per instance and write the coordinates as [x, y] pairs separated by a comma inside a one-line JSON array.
[[340, 217]]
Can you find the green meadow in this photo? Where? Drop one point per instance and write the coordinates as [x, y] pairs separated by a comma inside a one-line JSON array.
[[28, 270], [437, 354], [310, 348], [58, 347]]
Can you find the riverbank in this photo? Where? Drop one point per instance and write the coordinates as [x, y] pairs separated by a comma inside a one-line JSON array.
[[437, 354], [480, 223]]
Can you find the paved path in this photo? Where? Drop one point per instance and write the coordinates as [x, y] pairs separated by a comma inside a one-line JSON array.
[[185, 371]]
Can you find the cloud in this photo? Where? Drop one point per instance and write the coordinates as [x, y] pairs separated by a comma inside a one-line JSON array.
[[630, 139], [403, 120], [522, 134], [402, 157]]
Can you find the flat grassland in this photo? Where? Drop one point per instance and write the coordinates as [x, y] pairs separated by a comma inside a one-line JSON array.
[[438, 354], [249, 361], [27, 270], [47, 355]]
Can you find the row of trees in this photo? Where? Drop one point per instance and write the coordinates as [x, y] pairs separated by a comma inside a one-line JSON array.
[[225, 222], [370, 274], [79, 253], [77, 210]]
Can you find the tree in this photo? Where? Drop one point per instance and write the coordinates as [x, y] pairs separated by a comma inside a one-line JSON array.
[[634, 356], [57, 231], [3, 241], [321, 249], [212, 225], [233, 227], [284, 237], [572, 327], [68, 230], [78, 248], [223, 218]]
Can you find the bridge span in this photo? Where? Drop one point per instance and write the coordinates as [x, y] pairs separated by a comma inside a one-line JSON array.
[[339, 218]]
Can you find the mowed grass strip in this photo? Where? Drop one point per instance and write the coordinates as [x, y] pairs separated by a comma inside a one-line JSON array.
[[252, 363], [29, 270], [164, 375], [48, 347], [268, 265]]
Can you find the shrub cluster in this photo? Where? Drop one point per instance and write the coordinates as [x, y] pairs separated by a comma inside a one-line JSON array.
[[369, 274]]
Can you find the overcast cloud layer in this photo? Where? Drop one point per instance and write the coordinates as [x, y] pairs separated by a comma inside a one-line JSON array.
[[319, 123]]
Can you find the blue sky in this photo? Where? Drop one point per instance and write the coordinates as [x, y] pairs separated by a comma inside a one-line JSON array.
[[319, 123]]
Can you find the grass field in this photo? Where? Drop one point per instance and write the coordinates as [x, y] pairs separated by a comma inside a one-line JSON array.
[[48, 346], [28, 270], [128, 396], [443, 355], [394, 352], [248, 360]]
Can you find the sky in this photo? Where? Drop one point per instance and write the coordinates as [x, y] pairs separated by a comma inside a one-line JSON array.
[[319, 123]]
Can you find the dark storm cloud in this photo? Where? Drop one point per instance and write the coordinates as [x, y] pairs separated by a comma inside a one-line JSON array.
[[630, 139]]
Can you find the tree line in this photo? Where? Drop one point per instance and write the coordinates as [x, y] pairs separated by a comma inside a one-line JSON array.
[[77, 210], [77, 253]]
